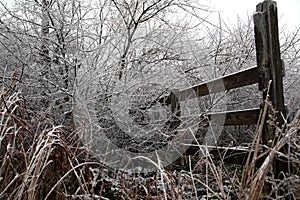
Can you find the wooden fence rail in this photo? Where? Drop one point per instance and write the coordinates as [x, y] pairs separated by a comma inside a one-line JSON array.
[[269, 68], [231, 81], [235, 80]]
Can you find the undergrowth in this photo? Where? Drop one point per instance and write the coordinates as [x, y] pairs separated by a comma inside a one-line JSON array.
[[40, 160]]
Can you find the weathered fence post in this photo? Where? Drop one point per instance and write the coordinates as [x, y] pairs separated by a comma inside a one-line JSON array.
[[269, 62]]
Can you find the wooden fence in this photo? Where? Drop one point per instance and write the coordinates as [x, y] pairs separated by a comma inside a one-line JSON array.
[[269, 68]]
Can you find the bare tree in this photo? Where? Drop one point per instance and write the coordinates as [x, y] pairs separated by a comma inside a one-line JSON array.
[[45, 39]]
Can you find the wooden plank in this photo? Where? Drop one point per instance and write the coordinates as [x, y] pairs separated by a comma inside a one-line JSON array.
[[226, 118], [270, 68], [268, 56], [239, 117], [242, 78], [236, 155]]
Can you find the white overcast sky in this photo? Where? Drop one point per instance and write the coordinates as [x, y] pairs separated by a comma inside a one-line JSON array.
[[288, 10]]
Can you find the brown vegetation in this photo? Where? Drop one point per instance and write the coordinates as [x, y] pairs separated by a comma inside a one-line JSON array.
[[43, 161]]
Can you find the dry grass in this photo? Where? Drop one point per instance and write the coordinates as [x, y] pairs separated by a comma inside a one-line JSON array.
[[255, 178], [42, 161]]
